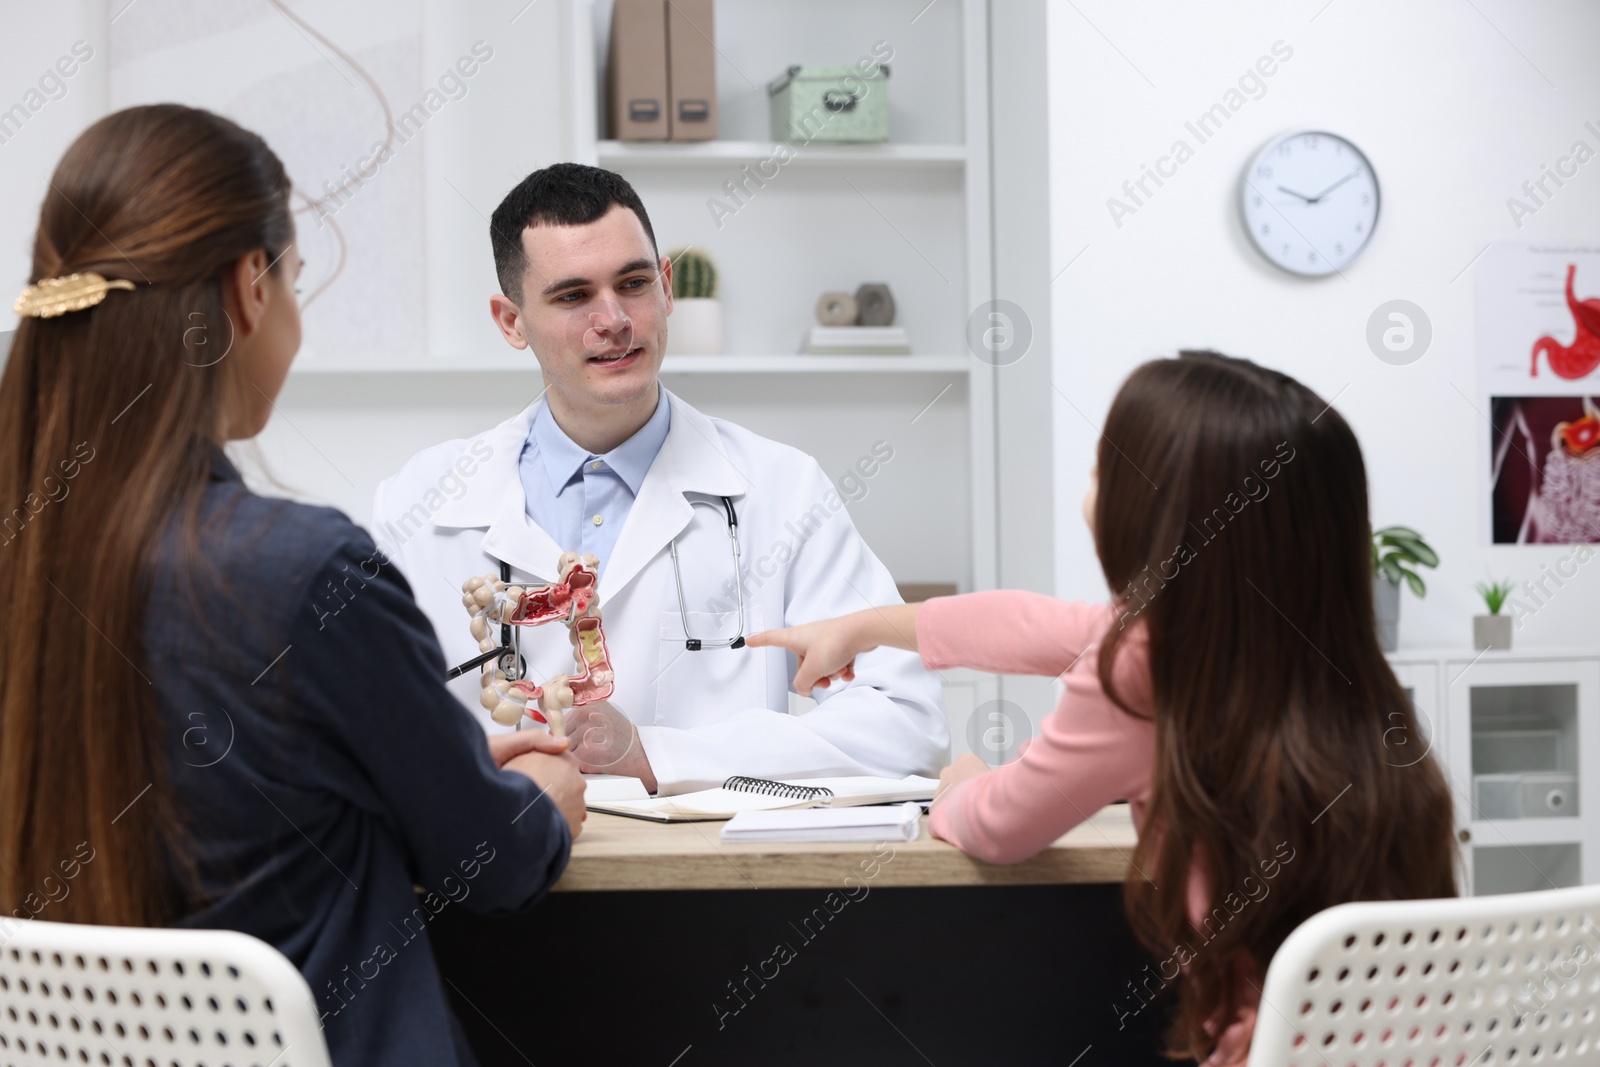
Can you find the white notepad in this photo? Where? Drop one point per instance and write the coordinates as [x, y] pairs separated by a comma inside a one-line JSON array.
[[900, 822], [741, 794]]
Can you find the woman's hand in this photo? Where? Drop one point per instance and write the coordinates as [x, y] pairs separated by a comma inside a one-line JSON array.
[[506, 747], [559, 781], [967, 766]]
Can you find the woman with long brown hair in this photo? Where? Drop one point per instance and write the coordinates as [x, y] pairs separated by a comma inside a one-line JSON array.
[[1232, 689], [217, 709]]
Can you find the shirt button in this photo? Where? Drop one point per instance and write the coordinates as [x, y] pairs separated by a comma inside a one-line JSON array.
[[596, 465], [597, 520]]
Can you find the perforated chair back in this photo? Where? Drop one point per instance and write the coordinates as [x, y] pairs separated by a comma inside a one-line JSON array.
[[1479, 981], [71, 993]]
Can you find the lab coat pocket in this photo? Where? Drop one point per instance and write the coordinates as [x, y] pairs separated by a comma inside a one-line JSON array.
[[696, 688]]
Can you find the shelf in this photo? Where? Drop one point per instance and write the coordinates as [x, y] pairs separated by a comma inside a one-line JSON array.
[[1460, 655], [1492, 833], [806, 364], [884, 156], [803, 364]]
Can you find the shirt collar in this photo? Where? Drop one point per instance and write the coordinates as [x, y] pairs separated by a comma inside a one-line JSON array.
[[563, 458]]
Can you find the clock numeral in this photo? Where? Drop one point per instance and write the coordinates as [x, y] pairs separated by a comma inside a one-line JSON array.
[[1283, 150], [1265, 229], [1366, 198], [1358, 227], [1286, 248], [1311, 257], [1311, 143], [1264, 171], [1338, 248], [1255, 201]]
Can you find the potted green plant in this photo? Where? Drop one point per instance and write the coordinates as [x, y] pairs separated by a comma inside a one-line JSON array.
[[1494, 629], [1396, 553], [695, 328]]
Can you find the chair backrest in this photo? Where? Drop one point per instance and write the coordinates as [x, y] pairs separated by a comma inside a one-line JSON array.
[[73, 993], [1478, 980]]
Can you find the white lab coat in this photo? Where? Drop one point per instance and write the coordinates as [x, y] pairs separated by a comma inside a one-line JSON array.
[[458, 509]]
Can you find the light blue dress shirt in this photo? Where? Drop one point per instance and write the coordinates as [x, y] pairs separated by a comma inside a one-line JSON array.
[[580, 499]]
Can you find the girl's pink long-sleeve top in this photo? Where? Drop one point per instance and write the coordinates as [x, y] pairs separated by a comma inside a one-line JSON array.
[[1089, 752]]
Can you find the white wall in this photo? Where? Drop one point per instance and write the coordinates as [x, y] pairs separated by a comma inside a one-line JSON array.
[[337, 433], [1456, 105], [30, 46]]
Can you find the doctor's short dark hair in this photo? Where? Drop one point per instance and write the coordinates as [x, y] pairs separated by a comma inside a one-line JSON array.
[[562, 194]]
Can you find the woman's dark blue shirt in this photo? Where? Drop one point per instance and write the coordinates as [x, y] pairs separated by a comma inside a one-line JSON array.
[[323, 770]]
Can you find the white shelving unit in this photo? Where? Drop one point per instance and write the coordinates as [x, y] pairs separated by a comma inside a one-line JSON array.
[[1518, 734], [914, 212]]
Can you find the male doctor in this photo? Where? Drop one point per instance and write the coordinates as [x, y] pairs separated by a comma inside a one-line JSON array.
[[608, 462]]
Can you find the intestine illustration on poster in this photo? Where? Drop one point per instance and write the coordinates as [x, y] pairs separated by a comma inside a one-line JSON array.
[[1538, 335]]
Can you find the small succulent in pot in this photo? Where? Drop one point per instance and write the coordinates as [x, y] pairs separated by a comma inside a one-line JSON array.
[[1494, 629]]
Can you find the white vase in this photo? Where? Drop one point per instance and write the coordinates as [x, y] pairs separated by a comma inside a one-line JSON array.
[[695, 327]]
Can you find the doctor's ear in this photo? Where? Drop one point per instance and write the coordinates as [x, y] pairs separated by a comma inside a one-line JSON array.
[[508, 319], [665, 266]]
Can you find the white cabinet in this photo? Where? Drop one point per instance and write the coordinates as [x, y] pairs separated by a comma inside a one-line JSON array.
[[1518, 734]]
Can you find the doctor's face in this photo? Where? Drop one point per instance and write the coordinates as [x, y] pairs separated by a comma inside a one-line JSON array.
[[595, 301]]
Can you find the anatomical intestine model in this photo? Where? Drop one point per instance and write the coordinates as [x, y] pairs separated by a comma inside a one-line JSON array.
[[573, 601], [1583, 355]]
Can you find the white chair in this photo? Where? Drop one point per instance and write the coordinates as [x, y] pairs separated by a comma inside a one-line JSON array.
[[72, 993], [1479, 981]]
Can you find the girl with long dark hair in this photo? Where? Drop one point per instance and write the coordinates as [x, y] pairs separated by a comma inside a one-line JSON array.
[[1232, 688]]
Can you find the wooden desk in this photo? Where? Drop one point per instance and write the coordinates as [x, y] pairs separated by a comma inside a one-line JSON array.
[[653, 952], [617, 854]]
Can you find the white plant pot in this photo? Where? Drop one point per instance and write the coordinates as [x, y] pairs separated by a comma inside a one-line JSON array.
[[695, 327]]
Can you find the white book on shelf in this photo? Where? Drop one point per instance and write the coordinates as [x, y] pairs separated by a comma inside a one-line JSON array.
[[857, 341]]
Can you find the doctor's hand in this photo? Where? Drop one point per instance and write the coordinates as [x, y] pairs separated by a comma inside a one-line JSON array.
[[605, 741], [828, 648]]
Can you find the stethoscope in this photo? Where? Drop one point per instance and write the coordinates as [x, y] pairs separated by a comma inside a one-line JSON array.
[[509, 652]]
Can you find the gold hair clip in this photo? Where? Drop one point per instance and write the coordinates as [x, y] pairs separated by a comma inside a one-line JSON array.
[[57, 296]]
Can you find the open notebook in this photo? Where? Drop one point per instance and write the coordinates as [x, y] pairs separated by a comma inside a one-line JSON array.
[[614, 797]]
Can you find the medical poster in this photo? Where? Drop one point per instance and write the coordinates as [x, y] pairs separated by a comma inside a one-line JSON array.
[[1538, 333]]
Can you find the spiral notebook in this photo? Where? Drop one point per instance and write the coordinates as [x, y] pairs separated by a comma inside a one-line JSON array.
[[742, 793]]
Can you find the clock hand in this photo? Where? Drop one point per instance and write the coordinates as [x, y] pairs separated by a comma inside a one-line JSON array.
[[1302, 196], [1334, 186]]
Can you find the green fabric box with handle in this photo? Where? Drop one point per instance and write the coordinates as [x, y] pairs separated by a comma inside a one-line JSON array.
[[830, 104]]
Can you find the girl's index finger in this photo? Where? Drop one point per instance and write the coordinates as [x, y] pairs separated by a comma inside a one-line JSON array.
[[768, 638]]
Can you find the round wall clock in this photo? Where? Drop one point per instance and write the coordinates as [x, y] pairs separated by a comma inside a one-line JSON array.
[[1309, 202]]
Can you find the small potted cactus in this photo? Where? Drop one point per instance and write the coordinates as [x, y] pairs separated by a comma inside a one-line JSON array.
[[1494, 629], [695, 327]]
